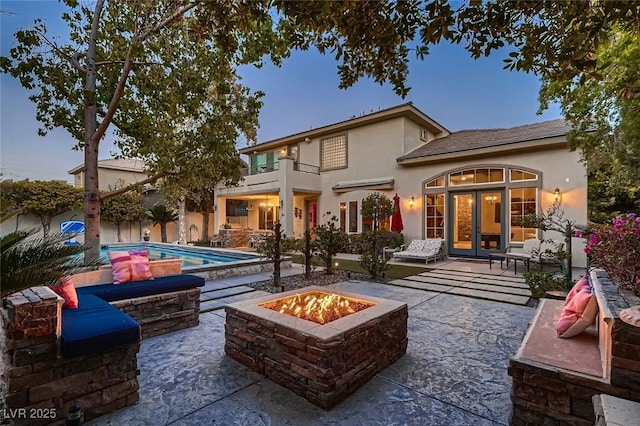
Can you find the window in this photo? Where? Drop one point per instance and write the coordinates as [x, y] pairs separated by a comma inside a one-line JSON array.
[[237, 207], [434, 215], [520, 175], [343, 216], [476, 176], [333, 153], [264, 162], [435, 183], [424, 135], [353, 216], [523, 201]]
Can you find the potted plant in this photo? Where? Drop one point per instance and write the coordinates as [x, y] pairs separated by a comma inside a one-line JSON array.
[[146, 233]]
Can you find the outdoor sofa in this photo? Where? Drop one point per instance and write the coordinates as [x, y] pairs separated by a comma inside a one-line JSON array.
[[429, 249]]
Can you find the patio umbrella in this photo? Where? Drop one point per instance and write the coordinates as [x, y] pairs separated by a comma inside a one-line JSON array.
[[396, 217]]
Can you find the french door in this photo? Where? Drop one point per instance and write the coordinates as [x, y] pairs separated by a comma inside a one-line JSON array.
[[476, 224]]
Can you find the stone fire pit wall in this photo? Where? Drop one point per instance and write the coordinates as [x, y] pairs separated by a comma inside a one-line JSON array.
[[322, 363]]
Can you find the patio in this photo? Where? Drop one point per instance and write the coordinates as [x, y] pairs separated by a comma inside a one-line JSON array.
[[454, 371]]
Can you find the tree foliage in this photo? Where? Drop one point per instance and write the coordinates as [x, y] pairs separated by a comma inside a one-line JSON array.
[[26, 261], [45, 199], [605, 113], [125, 207], [162, 215], [330, 240]]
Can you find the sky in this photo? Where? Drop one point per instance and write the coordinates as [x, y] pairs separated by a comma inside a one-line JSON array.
[[449, 86]]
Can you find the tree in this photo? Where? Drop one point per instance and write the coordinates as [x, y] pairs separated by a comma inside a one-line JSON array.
[[272, 247], [605, 116], [162, 215], [204, 206], [46, 199], [375, 207], [125, 207], [330, 240], [26, 261]]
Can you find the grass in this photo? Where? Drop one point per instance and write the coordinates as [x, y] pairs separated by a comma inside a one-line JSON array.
[[394, 271]]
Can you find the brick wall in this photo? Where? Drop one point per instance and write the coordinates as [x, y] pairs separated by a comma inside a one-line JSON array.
[[163, 313], [39, 385]]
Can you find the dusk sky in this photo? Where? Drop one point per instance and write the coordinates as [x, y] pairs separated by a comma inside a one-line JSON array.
[[448, 86]]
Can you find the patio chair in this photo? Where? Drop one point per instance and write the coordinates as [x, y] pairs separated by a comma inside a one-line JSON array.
[[429, 249]]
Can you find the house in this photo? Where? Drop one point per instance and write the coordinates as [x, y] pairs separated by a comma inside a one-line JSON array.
[[465, 186], [111, 171]]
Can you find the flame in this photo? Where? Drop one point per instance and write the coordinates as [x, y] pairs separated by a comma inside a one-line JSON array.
[[317, 307]]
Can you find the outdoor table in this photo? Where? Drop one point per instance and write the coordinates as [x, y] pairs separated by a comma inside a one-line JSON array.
[[509, 256]]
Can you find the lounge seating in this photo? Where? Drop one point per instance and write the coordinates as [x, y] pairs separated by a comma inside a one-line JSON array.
[[533, 250], [429, 249]]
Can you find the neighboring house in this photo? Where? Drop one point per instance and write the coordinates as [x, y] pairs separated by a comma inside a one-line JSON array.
[[111, 171], [465, 186]]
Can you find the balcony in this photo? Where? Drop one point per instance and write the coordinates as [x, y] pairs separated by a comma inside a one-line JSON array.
[[275, 166]]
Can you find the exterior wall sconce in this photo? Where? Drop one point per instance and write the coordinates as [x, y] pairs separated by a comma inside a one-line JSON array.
[[556, 194], [412, 201], [283, 152]]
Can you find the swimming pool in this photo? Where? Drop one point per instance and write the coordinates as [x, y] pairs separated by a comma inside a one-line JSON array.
[[192, 257]]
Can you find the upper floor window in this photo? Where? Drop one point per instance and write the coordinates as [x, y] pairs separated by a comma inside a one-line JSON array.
[[476, 176], [521, 175], [424, 135], [333, 152]]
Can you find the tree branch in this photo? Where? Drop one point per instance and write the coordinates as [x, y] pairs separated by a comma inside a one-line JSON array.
[[73, 60], [115, 100], [103, 113], [177, 14], [122, 62], [128, 188]]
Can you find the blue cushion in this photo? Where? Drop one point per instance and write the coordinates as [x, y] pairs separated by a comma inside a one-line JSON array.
[[95, 326], [166, 284]]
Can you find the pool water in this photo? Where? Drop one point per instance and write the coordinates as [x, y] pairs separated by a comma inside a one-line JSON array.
[[190, 255]]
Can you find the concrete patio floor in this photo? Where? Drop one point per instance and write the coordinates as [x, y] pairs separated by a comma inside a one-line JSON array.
[[454, 371]]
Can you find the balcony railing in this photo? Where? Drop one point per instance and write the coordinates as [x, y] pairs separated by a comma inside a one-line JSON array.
[[263, 168], [306, 168], [275, 166]]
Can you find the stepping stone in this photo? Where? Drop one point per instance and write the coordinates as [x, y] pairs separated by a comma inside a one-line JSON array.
[[225, 292], [453, 273], [445, 277], [498, 289], [433, 280], [421, 285], [490, 295], [500, 283]]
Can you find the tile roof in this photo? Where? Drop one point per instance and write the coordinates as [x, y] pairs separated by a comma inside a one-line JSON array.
[[124, 164], [465, 140]]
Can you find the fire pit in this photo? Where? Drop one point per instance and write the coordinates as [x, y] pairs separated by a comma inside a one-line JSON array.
[[323, 358]]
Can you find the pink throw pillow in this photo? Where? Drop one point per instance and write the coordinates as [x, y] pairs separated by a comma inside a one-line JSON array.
[[67, 291], [140, 269], [579, 311], [129, 266], [120, 268]]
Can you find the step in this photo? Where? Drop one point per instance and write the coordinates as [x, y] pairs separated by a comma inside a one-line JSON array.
[[225, 292], [217, 304], [418, 285]]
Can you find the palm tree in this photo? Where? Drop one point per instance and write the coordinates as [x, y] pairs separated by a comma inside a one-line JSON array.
[[26, 262], [161, 215]]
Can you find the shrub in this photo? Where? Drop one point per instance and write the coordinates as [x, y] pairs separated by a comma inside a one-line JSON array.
[[330, 240], [363, 243], [615, 248], [540, 282]]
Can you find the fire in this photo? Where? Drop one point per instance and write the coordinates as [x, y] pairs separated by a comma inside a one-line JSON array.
[[317, 306]]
